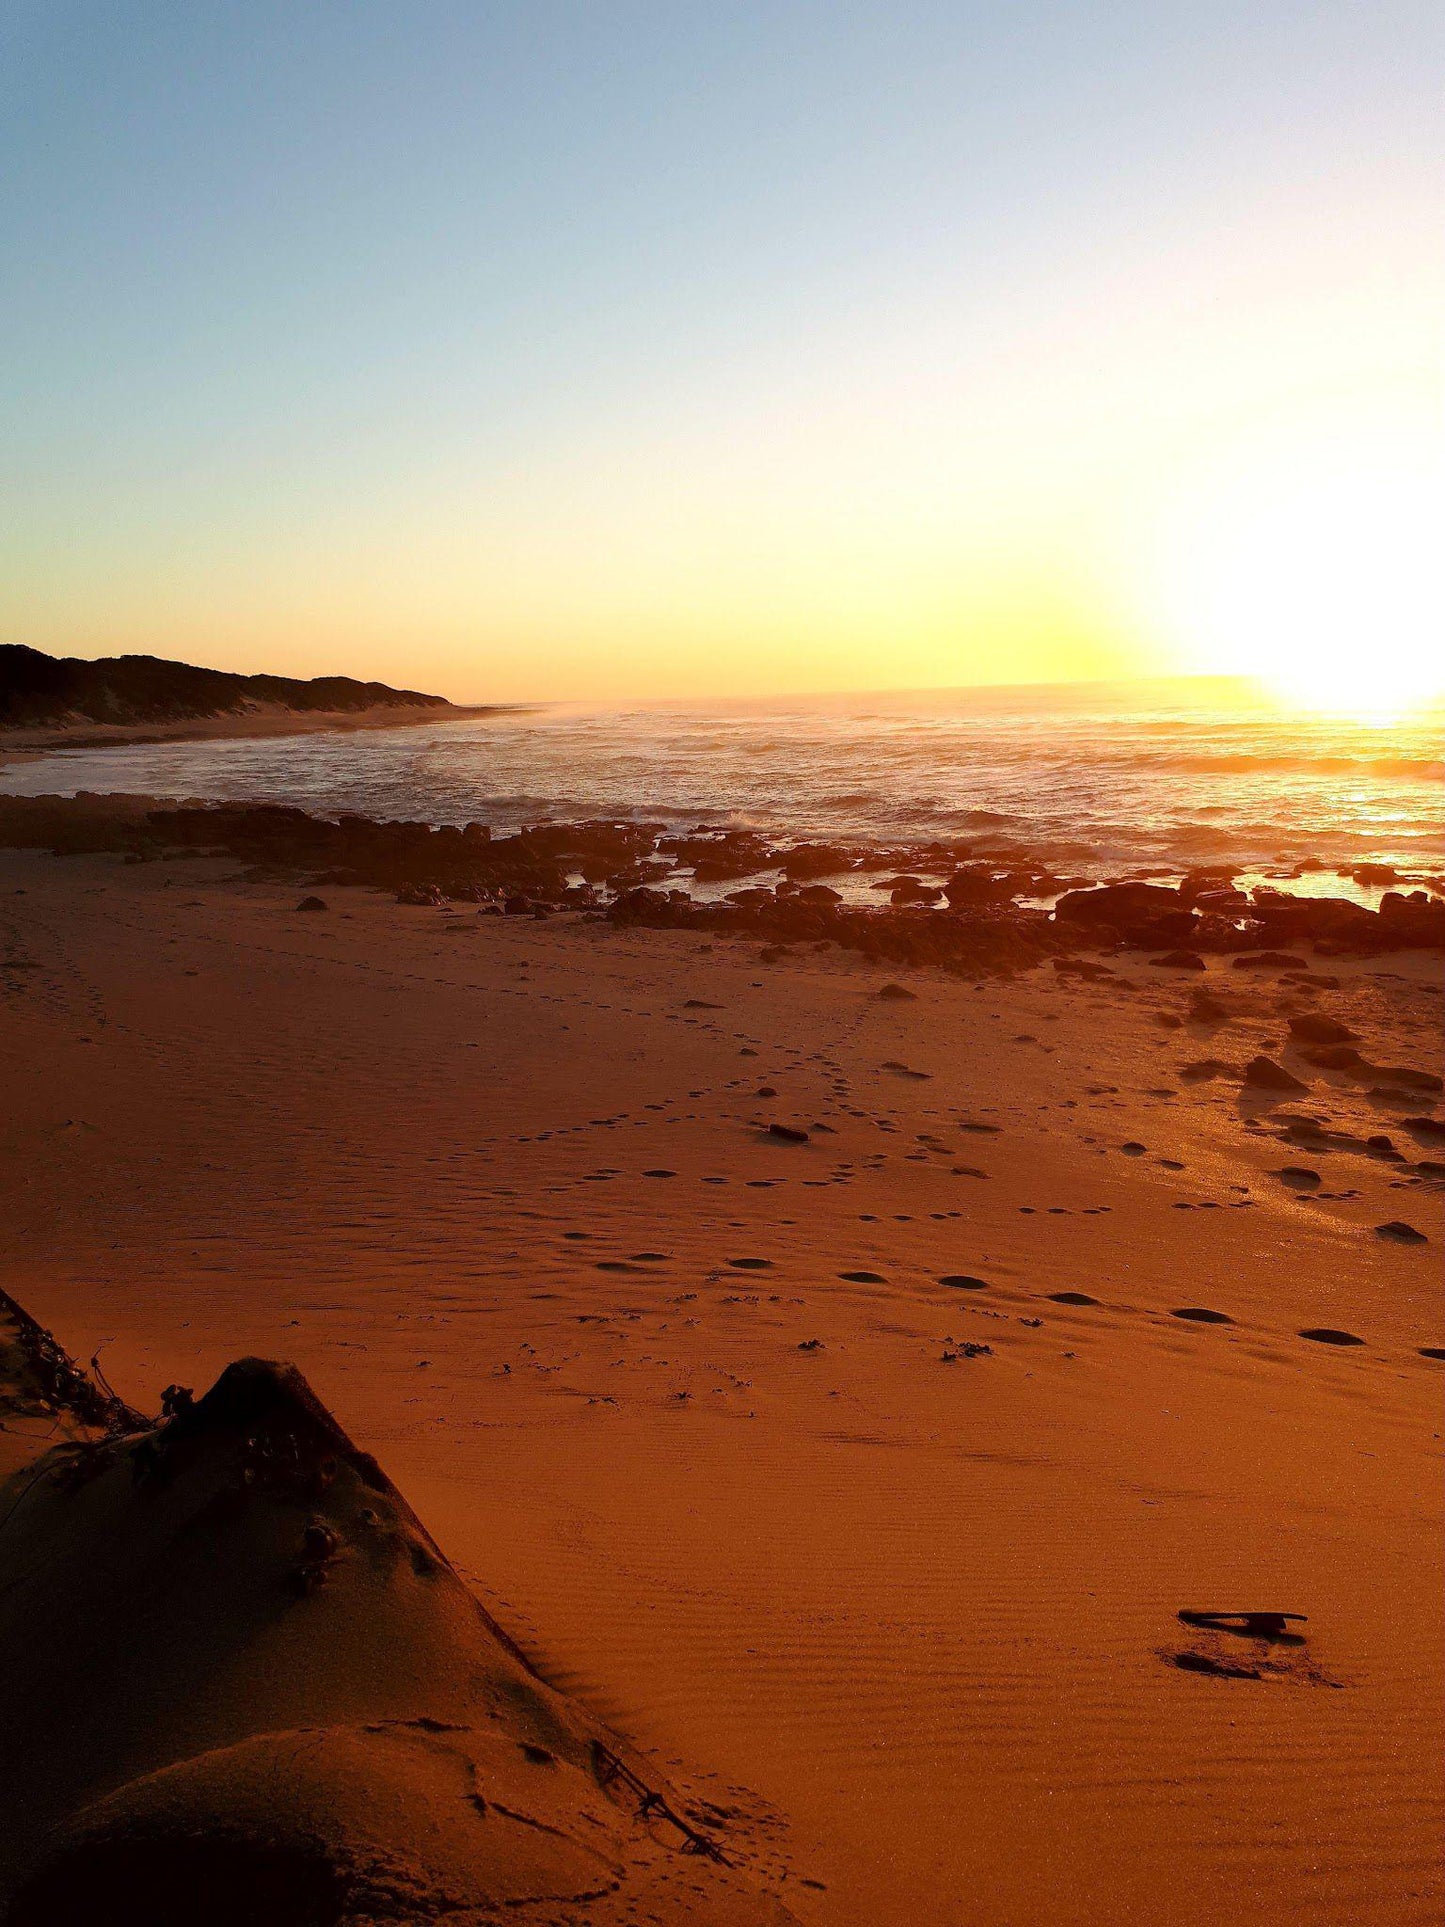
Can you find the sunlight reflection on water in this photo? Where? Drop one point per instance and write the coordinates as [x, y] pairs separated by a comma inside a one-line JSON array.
[[1114, 789]]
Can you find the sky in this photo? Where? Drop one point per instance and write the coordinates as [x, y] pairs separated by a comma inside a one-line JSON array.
[[606, 350]]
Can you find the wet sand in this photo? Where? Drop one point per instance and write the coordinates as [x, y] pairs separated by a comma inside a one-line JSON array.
[[887, 1567]]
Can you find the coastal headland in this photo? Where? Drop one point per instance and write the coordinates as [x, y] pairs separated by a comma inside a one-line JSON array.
[[50, 703]]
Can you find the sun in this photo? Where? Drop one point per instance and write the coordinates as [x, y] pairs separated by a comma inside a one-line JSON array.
[[1317, 573]]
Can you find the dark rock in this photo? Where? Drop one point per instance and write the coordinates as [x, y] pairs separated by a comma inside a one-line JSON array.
[[1313, 1029], [1403, 1075], [1263, 1074], [1269, 960], [975, 886], [815, 860], [1120, 904], [1401, 1233], [1334, 1057]]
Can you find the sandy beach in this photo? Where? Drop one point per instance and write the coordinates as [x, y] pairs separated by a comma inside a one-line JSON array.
[[857, 1479], [25, 745]]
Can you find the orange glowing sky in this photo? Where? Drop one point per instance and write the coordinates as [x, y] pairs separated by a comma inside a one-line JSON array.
[[605, 352]]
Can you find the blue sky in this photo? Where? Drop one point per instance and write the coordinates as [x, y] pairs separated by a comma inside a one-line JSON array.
[[741, 346]]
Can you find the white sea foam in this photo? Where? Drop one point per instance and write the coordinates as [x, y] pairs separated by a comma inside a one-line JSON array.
[[1113, 785]]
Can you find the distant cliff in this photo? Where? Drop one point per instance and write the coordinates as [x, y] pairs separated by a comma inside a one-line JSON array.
[[37, 690]]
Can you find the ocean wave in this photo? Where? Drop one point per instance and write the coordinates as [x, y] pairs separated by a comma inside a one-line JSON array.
[[1133, 789], [1235, 762]]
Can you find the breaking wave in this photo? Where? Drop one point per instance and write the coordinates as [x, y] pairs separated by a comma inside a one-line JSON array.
[[1116, 787]]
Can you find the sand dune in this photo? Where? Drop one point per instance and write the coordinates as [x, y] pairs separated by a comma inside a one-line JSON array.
[[883, 1571], [243, 1683]]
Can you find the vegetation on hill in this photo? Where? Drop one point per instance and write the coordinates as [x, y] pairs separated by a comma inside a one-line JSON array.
[[36, 689]]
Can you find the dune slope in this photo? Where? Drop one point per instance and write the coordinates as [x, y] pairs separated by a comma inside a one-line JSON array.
[[241, 1682]]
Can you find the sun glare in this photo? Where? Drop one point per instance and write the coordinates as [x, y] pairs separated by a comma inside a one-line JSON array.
[[1320, 578]]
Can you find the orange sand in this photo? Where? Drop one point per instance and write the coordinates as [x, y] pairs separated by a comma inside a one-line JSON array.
[[501, 1189]]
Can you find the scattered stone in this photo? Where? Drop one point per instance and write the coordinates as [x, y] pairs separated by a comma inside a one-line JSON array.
[[1334, 1057], [1327, 1335], [1313, 1029], [896, 994], [789, 1133], [1263, 1074], [1401, 1233], [1270, 960], [313, 903]]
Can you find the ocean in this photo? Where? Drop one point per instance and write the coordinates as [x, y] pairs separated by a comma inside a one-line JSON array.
[[1107, 781]]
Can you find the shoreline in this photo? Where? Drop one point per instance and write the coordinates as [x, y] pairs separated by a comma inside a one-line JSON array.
[[29, 745], [962, 906]]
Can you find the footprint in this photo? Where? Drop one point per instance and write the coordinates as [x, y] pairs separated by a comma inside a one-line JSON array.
[[1071, 1298], [960, 1281], [1327, 1335], [1202, 1315]]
